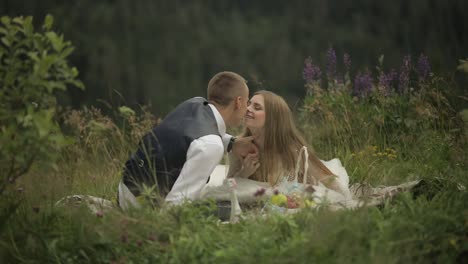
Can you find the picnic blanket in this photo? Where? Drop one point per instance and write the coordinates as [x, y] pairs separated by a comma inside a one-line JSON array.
[[241, 190]]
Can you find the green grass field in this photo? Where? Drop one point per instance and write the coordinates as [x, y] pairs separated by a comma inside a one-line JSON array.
[[430, 225]]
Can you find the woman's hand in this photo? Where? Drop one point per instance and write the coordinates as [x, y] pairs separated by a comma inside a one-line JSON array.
[[250, 164]]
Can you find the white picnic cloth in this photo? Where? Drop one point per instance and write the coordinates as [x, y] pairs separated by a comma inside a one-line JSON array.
[[354, 196]]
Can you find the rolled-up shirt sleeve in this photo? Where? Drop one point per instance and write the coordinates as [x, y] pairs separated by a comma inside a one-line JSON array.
[[226, 138], [202, 157]]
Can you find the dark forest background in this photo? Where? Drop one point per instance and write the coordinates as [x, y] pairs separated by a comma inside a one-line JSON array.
[[162, 52]]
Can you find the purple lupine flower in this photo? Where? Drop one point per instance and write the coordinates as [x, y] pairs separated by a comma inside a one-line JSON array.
[[331, 64], [362, 84], [405, 74], [347, 61], [386, 80], [423, 68], [259, 192], [311, 71]]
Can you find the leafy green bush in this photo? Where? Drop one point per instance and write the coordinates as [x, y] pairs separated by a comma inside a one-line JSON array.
[[33, 66]]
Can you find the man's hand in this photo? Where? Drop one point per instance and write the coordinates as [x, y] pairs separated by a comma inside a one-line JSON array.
[[244, 146]]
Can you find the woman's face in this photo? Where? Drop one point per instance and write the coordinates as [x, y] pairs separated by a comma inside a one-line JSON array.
[[255, 116]]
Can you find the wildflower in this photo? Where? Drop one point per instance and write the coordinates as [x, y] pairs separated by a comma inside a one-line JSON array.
[[405, 74], [276, 192], [362, 84], [99, 214], [347, 61], [423, 67], [259, 192], [331, 64], [20, 189], [386, 80], [311, 71]]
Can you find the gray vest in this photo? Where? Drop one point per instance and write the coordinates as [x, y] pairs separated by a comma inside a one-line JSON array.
[[162, 152]]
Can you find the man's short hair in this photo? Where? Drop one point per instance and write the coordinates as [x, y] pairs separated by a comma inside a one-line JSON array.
[[225, 87]]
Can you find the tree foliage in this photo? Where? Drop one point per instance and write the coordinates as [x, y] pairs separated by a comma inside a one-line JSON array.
[[161, 52], [33, 65]]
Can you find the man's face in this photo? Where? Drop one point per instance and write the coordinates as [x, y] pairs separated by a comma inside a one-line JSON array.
[[242, 107]]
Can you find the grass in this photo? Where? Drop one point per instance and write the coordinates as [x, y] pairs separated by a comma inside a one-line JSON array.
[[429, 225]]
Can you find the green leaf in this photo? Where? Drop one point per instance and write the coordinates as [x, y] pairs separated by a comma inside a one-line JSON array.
[[66, 52], [381, 59], [28, 27], [126, 111], [77, 84], [48, 22], [6, 42], [464, 115], [56, 85], [55, 40], [18, 20], [33, 56], [463, 66], [5, 20], [43, 122]]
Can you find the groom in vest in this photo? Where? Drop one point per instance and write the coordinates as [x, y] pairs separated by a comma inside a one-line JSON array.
[[178, 155]]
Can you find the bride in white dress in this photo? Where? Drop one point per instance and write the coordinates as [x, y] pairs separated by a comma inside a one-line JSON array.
[[280, 148]]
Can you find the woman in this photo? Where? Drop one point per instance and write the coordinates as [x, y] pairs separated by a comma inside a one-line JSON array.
[[271, 122]]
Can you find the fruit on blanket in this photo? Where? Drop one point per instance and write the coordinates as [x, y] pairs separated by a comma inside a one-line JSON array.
[[297, 199], [279, 199], [309, 203], [292, 203]]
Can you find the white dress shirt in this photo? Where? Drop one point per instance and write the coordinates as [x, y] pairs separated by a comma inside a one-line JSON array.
[[203, 155]]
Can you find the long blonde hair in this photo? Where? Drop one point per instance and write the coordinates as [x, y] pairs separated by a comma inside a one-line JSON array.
[[282, 144]]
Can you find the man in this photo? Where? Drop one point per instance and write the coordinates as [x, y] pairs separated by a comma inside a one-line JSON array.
[[180, 153]]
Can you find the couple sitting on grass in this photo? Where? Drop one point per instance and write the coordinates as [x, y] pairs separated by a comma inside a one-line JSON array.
[[179, 154]]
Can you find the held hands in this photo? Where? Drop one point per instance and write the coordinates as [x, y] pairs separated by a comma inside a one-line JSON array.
[[250, 164], [244, 146], [247, 152]]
